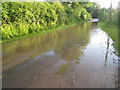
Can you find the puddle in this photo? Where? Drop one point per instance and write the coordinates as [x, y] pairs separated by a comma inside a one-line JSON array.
[[33, 61]]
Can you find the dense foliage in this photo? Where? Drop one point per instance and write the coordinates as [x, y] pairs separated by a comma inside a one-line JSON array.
[[22, 18], [94, 10]]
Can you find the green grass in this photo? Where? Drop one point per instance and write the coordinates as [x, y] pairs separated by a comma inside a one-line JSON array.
[[77, 62], [63, 68], [112, 30], [40, 32]]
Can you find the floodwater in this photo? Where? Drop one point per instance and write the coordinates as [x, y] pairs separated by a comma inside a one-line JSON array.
[[80, 56]]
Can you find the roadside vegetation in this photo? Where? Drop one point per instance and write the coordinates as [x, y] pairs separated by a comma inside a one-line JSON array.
[[23, 18], [111, 26]]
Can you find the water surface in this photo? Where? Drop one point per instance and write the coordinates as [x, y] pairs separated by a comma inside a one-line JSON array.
[[33, 62]]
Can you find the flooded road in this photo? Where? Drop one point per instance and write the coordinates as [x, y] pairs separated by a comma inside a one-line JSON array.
[[81, 56]]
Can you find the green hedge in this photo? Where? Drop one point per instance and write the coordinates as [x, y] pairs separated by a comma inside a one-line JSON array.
[[22, 18]]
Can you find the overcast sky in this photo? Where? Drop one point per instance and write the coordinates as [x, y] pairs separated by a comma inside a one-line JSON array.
[[106, 3]]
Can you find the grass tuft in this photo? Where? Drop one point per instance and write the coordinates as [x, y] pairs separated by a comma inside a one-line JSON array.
[[63, 69], [77, 62]]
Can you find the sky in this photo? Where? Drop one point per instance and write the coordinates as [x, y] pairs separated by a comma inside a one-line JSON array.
[[106, 3]]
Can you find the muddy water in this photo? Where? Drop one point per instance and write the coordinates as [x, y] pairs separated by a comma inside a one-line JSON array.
[[83, 54]]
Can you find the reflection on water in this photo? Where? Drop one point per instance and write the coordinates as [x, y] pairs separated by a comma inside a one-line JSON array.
[[38, 57], [69, 43], [107, 51]]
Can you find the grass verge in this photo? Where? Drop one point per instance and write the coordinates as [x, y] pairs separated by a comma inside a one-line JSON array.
[[112, 30]]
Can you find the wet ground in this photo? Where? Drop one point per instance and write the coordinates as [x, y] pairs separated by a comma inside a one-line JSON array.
[[81, 56]]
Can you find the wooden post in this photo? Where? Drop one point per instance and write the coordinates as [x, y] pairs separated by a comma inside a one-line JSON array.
[[111, 11]]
